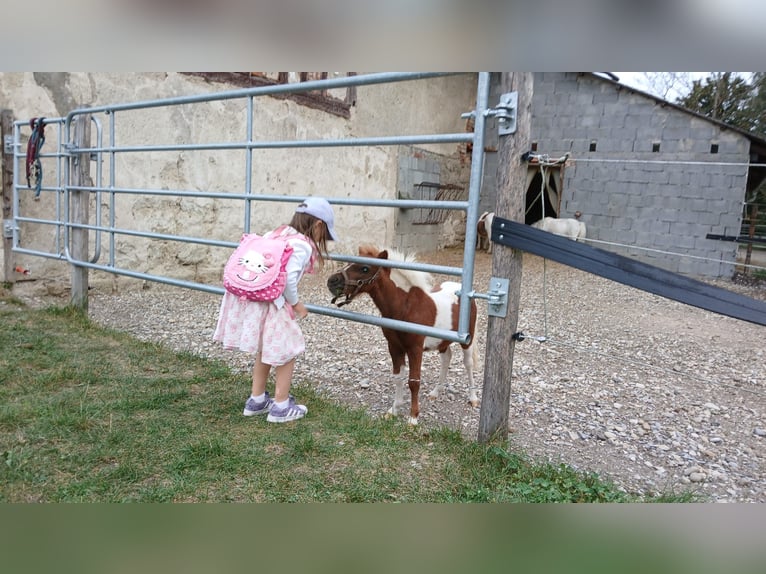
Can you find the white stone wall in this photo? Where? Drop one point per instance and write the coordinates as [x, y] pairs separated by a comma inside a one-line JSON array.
[[423, 107]]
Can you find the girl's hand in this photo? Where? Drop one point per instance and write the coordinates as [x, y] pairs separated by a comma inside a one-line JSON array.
[[300, 310]]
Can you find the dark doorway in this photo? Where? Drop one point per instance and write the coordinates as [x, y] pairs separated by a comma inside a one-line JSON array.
[[537, 200]]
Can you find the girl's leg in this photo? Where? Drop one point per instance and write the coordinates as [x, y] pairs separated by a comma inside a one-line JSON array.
[[260, 376], [284, 378]]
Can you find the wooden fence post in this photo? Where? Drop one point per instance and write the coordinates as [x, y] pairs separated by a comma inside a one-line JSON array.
[[6, 170], [80, 175], [506, 262]]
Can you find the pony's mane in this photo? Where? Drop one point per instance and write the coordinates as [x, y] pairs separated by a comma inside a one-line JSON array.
[[408, 278], [403, 278]]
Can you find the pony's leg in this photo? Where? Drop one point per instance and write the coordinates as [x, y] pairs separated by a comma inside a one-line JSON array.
[[398, 407], [397, 361], [470, 359], [445, 358], [415, 360], [488, 227]]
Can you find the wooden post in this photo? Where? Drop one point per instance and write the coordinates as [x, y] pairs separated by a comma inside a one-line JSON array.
[[506, 262], [79, 212], [9, 260], [751, 235]]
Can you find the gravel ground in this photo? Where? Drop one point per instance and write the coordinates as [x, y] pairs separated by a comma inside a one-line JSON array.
[[652, 394]]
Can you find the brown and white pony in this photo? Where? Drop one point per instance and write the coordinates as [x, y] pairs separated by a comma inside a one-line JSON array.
[[408, 295], [484, 231]]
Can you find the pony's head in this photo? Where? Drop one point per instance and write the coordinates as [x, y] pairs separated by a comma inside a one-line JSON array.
[[356, 278]]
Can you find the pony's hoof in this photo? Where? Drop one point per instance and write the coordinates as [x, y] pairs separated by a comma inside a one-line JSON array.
[[392, 412], [433, 395], [474, 402], [412, 422]]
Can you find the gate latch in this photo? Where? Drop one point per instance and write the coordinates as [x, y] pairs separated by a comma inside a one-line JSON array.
[[8, 144], [497, 297]]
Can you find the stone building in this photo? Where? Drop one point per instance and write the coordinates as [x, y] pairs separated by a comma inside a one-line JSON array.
[[642, 171]]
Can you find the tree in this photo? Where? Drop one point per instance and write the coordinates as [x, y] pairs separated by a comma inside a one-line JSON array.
[[668, 84], [757, 105], [723, 96]]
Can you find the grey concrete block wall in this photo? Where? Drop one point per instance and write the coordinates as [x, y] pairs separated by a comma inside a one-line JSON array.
[[417, 166], [662, 196]]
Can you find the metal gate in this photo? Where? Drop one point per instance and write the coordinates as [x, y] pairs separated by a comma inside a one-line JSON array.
[[63, 187]]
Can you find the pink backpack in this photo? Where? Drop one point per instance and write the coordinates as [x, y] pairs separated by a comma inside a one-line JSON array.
[[256, 269]]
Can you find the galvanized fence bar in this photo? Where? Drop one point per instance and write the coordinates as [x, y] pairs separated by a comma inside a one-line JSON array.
[[294, 144], [400, 203], [17, 186], [348, 81], [472, 215], [248, 145]]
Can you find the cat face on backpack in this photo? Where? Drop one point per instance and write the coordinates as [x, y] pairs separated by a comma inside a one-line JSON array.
[[254, 263]]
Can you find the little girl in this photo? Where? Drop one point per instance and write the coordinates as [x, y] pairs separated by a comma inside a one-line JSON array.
[[270, 329]]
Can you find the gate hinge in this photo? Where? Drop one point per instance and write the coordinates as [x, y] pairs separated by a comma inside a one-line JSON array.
[[497, 297], [504, 111], [8, 144]]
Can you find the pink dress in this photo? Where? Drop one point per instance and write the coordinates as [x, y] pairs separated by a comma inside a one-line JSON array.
[[268, 328]]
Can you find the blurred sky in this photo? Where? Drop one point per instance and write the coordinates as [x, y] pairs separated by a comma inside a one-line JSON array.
[[639, 81]]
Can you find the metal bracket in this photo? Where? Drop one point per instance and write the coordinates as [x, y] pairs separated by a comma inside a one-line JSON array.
[[8, 229], [497, 297], [505, 112], [8, 144]]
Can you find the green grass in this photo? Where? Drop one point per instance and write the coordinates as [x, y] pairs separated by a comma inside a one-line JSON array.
[[93, 415]]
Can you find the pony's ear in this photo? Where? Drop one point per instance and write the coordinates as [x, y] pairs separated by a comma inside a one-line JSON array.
[[367, 250], [383, 254]]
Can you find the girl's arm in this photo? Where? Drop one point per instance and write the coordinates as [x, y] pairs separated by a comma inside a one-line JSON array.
[[295, 266]]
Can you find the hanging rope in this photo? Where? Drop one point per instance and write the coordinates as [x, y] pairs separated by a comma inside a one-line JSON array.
[[34, 145], [543, 161]]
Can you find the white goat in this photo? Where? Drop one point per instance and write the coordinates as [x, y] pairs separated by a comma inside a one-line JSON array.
[[570, 228], [484, 231]]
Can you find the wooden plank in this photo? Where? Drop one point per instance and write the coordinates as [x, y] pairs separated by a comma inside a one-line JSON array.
[[511, 178], [6, 167], [80, 170], [628, 271]]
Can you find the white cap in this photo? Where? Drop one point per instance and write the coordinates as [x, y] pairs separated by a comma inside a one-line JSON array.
[[321, 209]]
